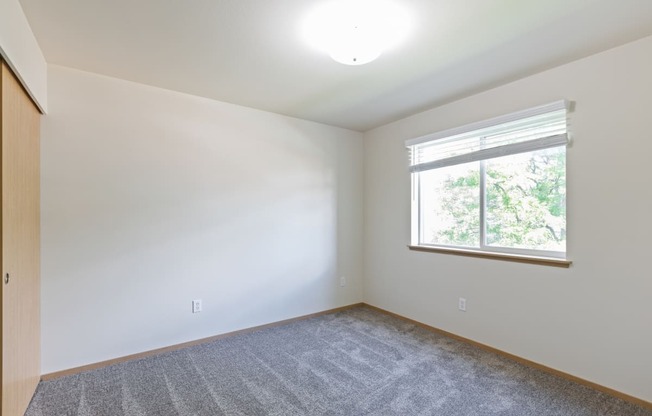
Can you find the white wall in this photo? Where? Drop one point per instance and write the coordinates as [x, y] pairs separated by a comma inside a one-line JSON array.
[[149, 201], [152, 198], [19, 48], [593, 320]]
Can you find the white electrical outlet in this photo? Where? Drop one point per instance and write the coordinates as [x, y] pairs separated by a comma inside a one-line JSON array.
[[461, 305], [196, 306], [342, 281]]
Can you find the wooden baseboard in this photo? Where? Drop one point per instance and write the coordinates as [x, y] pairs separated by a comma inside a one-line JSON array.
[[520, 360], [175, 347], [532, 364]]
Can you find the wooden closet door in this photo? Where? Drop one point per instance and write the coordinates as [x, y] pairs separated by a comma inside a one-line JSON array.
[[20, 131]]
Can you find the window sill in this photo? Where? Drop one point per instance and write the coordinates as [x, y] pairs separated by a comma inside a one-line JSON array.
[[518, 258]]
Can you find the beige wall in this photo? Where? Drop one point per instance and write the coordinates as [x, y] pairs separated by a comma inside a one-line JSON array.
[[593, 320], [152, 198]]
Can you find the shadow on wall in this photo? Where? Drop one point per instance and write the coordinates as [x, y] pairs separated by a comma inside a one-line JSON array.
[[152, 199]]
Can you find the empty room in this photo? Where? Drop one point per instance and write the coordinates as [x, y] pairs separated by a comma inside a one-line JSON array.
[[326, 207]]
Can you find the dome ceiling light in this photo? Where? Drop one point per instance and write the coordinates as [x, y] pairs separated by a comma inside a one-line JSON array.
[[355, 32]]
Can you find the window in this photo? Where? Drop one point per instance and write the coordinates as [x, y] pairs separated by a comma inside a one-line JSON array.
[[498, 186]]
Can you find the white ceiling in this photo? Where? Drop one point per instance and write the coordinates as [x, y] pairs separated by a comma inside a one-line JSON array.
[[250, 52]]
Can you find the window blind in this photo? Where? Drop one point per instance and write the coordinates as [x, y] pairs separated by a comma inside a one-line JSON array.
[[524, 131]]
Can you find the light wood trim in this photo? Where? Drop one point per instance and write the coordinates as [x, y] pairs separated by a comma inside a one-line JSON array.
[[532, 364], [520, 360], [2, 269], [20, 245], [543, 261], [176, 347]]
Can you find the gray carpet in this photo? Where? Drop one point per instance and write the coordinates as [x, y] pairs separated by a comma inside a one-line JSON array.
[[356, 362]]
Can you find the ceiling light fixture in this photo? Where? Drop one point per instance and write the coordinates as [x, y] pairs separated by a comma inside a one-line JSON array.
[[355, 32]]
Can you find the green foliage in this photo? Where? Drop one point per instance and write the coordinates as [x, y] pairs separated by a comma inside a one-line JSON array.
[[462, 205], [525, 203]]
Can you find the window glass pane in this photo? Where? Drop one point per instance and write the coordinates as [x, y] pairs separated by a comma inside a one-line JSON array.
[[450, 205], [526, 200]]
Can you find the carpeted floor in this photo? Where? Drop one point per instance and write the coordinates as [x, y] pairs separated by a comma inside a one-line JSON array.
[[356, 362]]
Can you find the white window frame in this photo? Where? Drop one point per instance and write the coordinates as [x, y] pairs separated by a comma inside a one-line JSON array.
[[550, 138]]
